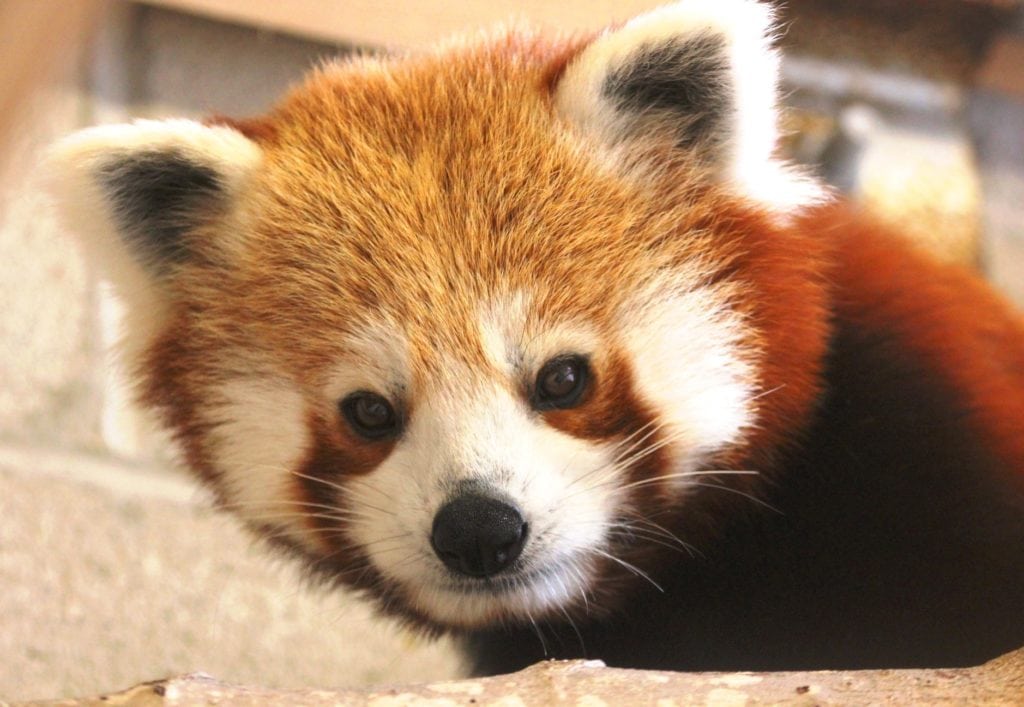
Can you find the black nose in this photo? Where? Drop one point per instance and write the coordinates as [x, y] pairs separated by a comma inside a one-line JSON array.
[[477, 535]]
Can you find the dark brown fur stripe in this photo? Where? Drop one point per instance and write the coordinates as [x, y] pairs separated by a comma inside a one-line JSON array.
[[612, 410], [336, 454]]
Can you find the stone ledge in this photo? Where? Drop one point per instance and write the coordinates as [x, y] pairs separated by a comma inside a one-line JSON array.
[[998, 682]]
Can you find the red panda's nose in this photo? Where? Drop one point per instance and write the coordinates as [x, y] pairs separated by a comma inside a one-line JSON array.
[[478, 535]]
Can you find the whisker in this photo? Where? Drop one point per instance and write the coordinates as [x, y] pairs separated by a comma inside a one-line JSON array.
[[325, 482], [630, 567], [575, 628], [339, 532], [362, 484], [582, 585], [654, 426], [651, 449], [540, 635], [614, 467], [766, 393], [684, 475], [668, 534], [238, 505], [343, 490], [755, 499], [651, 537], [620, 452], [333, 512], [283, 509]]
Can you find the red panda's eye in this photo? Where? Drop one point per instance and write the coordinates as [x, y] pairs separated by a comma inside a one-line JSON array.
[[369, 414], [561, 382]]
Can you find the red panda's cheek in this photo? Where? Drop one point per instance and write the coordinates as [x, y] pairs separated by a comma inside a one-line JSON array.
[[281, 463], [336, 456], [257, 435], [694, 365], [320, 484], [614, 415]]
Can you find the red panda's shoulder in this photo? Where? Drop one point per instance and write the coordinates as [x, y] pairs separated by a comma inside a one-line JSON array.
[[942, 314]]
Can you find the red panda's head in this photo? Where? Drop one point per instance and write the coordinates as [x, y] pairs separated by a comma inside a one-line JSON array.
[[467, 329]]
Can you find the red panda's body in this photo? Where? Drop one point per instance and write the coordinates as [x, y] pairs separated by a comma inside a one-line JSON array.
[[896, 524], [536, 342]]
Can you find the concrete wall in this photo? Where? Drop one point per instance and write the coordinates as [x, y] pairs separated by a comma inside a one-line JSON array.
[[48, 347]]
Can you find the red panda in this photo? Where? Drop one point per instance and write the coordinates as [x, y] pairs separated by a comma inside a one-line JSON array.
[[535, 341]]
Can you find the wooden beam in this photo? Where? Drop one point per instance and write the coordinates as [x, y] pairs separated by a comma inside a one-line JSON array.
[[998, 682]]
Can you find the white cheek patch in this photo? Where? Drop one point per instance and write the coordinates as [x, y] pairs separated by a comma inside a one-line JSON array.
[[261, 435], [691, 363], [490, 437], [260, 440]]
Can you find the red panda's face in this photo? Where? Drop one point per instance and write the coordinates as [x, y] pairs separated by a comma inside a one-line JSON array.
[[458, 385], [457, 328]]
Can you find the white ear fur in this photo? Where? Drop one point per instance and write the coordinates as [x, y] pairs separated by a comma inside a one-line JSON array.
[[126, 190], [717, 56], [114, 186], [114, 213]]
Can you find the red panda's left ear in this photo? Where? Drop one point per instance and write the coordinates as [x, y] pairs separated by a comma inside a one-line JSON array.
[[139, 192], [700, 74], [148, 197]]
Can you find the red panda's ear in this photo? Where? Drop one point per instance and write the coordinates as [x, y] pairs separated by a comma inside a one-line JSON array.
[[142, 196], [699, 74]]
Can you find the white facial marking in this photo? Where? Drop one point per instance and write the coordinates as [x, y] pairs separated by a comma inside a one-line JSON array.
[[689, 359], [504, 323], [686, 350], [470, 426], [377, 360], [515, 344], [260, 439]]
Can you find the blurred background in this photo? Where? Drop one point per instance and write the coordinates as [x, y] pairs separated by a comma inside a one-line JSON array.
[[113, 567]]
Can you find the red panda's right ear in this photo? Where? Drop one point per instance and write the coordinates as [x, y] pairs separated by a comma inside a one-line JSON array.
[[141, 196], [697, 75]]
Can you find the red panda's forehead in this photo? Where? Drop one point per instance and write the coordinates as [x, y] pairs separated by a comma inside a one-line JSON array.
[[421, 191]]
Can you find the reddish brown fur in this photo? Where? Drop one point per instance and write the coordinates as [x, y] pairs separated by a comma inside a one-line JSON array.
[[971, 335]]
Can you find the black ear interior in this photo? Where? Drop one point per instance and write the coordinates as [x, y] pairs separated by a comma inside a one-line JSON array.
[[157, 197], [681, 82]]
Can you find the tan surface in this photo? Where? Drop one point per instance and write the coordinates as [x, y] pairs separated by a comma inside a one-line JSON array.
[[104, 588], [998, 682]]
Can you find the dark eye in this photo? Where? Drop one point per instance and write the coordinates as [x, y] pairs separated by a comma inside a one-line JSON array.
[[370, 415], [561, 382]]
